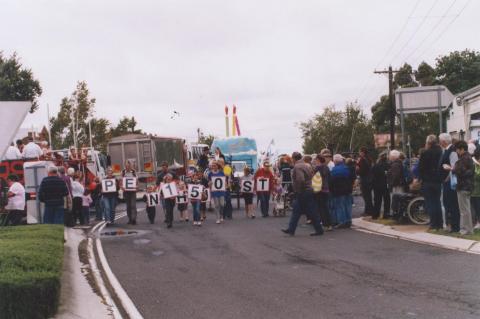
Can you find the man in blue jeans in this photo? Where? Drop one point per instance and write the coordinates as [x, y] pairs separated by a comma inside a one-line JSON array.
[[52, 192], [304, 201]]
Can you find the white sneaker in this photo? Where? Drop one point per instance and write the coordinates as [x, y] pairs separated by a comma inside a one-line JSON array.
[[195, 223], [221, 220], [218, 221]]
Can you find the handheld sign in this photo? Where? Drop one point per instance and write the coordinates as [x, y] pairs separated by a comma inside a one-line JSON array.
[[218, 184], [182, 199], [153, 199], [263, 184], [169, 190], [195, 191], [246, 186], [207, 195], [129, 183], [109, 185]]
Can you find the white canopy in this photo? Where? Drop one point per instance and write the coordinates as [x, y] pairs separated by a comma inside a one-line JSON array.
[[12, 115]]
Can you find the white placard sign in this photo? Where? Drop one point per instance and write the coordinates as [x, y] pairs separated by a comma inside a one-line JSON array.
[[169, 190], [153, 199], [109, 185], [246, 186], [195, 191], [182, 199], [129, 183], [207, 192], [219, 183], [263, 184]]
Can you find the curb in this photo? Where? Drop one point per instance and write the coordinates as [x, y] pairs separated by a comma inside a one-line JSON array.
[[446, 242]]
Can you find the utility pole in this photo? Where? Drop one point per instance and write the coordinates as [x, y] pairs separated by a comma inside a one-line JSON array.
[[393, 111]]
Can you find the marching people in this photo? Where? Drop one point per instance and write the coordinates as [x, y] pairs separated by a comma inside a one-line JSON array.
[[16, 201], [182, 207], [52, 192], [130, 195], [86, 202], [248, 196], [218, 196], [380, 187], [429, 167], [151, 210], [464, 170], [364, 171], [322, 197], [109, 199], [341, 186], [169, 203], [449, 195], [195, 203], [264, 195], [304, 203]]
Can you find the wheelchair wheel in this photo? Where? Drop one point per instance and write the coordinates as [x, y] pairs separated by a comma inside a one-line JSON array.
[[416, 211]]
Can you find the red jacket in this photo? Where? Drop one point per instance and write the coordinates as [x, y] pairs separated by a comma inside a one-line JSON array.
[[266, 173]]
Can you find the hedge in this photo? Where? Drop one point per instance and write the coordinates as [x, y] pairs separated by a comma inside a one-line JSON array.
[[31, 259]]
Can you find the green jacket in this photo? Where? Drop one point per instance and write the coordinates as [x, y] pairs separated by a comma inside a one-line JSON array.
[[476, 179]]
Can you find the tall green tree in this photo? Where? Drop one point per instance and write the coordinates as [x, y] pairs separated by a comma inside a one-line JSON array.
[[126, 125], [459, 70], [18, 83], [343, 131], [72, 121]]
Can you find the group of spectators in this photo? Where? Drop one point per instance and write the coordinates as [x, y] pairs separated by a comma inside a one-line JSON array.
[[444, 173]]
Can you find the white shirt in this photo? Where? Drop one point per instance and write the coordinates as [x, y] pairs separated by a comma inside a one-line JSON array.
[[32, 150], [77, 189], [16, 202], [13, 153]]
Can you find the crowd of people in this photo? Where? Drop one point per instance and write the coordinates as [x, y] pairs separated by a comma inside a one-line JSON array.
[[320, 186]]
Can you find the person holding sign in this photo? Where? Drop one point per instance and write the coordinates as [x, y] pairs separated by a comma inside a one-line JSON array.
[[216, 182], [152, 199], [195, 191], [169, 200], [182, 202], [246, 189], [110, 189], [264, 187], [129, 188]]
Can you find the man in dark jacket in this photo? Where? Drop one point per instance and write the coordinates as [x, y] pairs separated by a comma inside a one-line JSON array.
[[304, 203], [52, 192], [429, 173], [364, 171], [464, 170], [380, 187], [341, 187]]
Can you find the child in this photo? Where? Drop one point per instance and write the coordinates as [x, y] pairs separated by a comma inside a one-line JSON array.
[[182, 202], [151, 210], [169, 203], [248, 197], [196, 180], [218, 196], [86, 201]]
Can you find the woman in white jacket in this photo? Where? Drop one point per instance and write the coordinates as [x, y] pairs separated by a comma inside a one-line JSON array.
[[77, 193]]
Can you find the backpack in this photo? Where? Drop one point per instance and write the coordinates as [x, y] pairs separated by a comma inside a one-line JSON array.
[[317, 182]]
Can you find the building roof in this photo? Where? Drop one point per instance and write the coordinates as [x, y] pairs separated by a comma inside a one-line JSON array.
[[470, 93]]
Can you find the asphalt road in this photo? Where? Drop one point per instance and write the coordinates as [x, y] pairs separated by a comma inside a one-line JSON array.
[[249, 269]]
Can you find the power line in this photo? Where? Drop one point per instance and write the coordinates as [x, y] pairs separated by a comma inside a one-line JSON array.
[[415, 32], [432, 30], [443, 31]]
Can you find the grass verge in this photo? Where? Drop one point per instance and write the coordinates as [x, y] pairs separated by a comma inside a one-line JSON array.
[[31, 259], [474, 236]]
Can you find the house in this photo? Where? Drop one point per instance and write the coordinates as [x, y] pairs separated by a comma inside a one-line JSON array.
[[464, 115]]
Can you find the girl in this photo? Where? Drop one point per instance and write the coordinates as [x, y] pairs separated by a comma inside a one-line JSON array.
[[218, 197], [151, 210], [196, 180], [182, 206], [248, 196], [169, 203], [86, 201]]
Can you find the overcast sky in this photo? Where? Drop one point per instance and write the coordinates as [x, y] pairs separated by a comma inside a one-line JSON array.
[[280, 62]]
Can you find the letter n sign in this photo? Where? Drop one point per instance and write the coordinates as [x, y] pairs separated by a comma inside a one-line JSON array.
[[109, 185], [263, 184], [153, 199]]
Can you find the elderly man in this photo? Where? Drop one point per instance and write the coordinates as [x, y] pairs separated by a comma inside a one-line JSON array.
[[429, 170], [304, 203], [341, 187], [32, 150], [52, 192], [450, 201], [395, 176]]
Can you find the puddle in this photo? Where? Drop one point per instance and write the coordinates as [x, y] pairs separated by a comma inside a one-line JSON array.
[[158, 253], [141, 241]]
